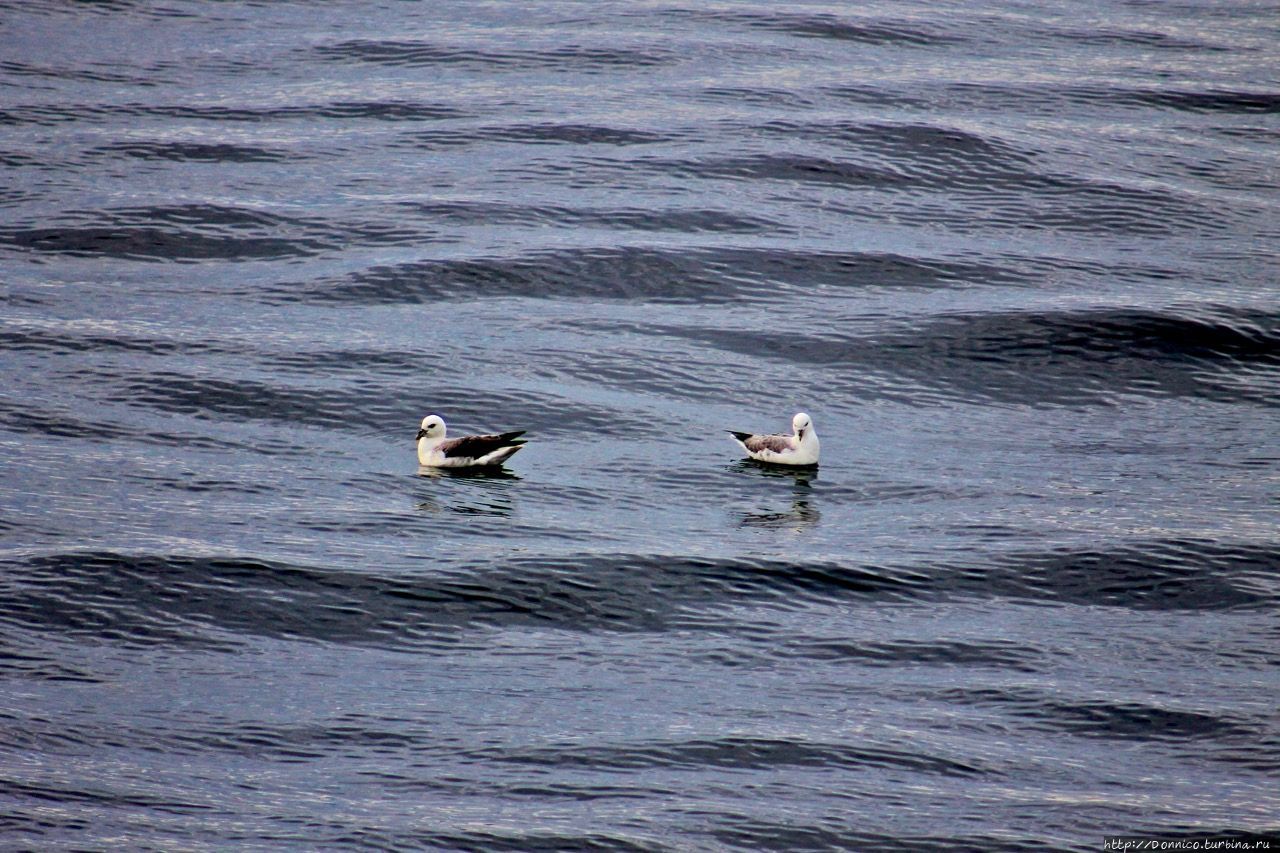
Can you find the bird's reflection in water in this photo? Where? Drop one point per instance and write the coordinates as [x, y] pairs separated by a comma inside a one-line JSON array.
[[484, 472], [481, 491], [802, 513]]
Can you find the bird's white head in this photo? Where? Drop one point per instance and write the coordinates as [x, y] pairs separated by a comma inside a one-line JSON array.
[[432, 428], [800, 423]]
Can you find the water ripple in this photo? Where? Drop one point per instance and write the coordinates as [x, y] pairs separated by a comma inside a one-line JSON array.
[[426, 54], [155, 600], [1046, 358]]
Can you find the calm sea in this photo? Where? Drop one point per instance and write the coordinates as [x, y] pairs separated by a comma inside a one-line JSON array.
[[1017, 260]]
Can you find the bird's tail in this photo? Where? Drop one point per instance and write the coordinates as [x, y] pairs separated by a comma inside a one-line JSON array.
[[740, 436]]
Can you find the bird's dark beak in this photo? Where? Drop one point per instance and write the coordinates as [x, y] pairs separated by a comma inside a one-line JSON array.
[[800, 433], [420, 434]]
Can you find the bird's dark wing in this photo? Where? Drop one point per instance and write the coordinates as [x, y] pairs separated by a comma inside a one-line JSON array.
[[475, 446], [776, 443], [756, 443]]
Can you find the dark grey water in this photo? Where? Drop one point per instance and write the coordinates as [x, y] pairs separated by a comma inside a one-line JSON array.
[[1016, 259]]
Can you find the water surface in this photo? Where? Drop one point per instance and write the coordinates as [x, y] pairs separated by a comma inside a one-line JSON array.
[[1017, 261]]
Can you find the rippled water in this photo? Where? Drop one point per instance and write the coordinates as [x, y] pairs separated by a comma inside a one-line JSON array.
[[1017, 260]]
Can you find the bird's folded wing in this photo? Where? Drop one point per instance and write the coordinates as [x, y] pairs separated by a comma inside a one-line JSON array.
[[776, 443], [475, 446]]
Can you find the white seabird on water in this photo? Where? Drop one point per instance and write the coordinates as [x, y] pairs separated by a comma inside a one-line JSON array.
[[798, 449], [469, 451]]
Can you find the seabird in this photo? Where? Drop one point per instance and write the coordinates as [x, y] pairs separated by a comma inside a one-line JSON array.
[[469, 451], [798, 449]]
